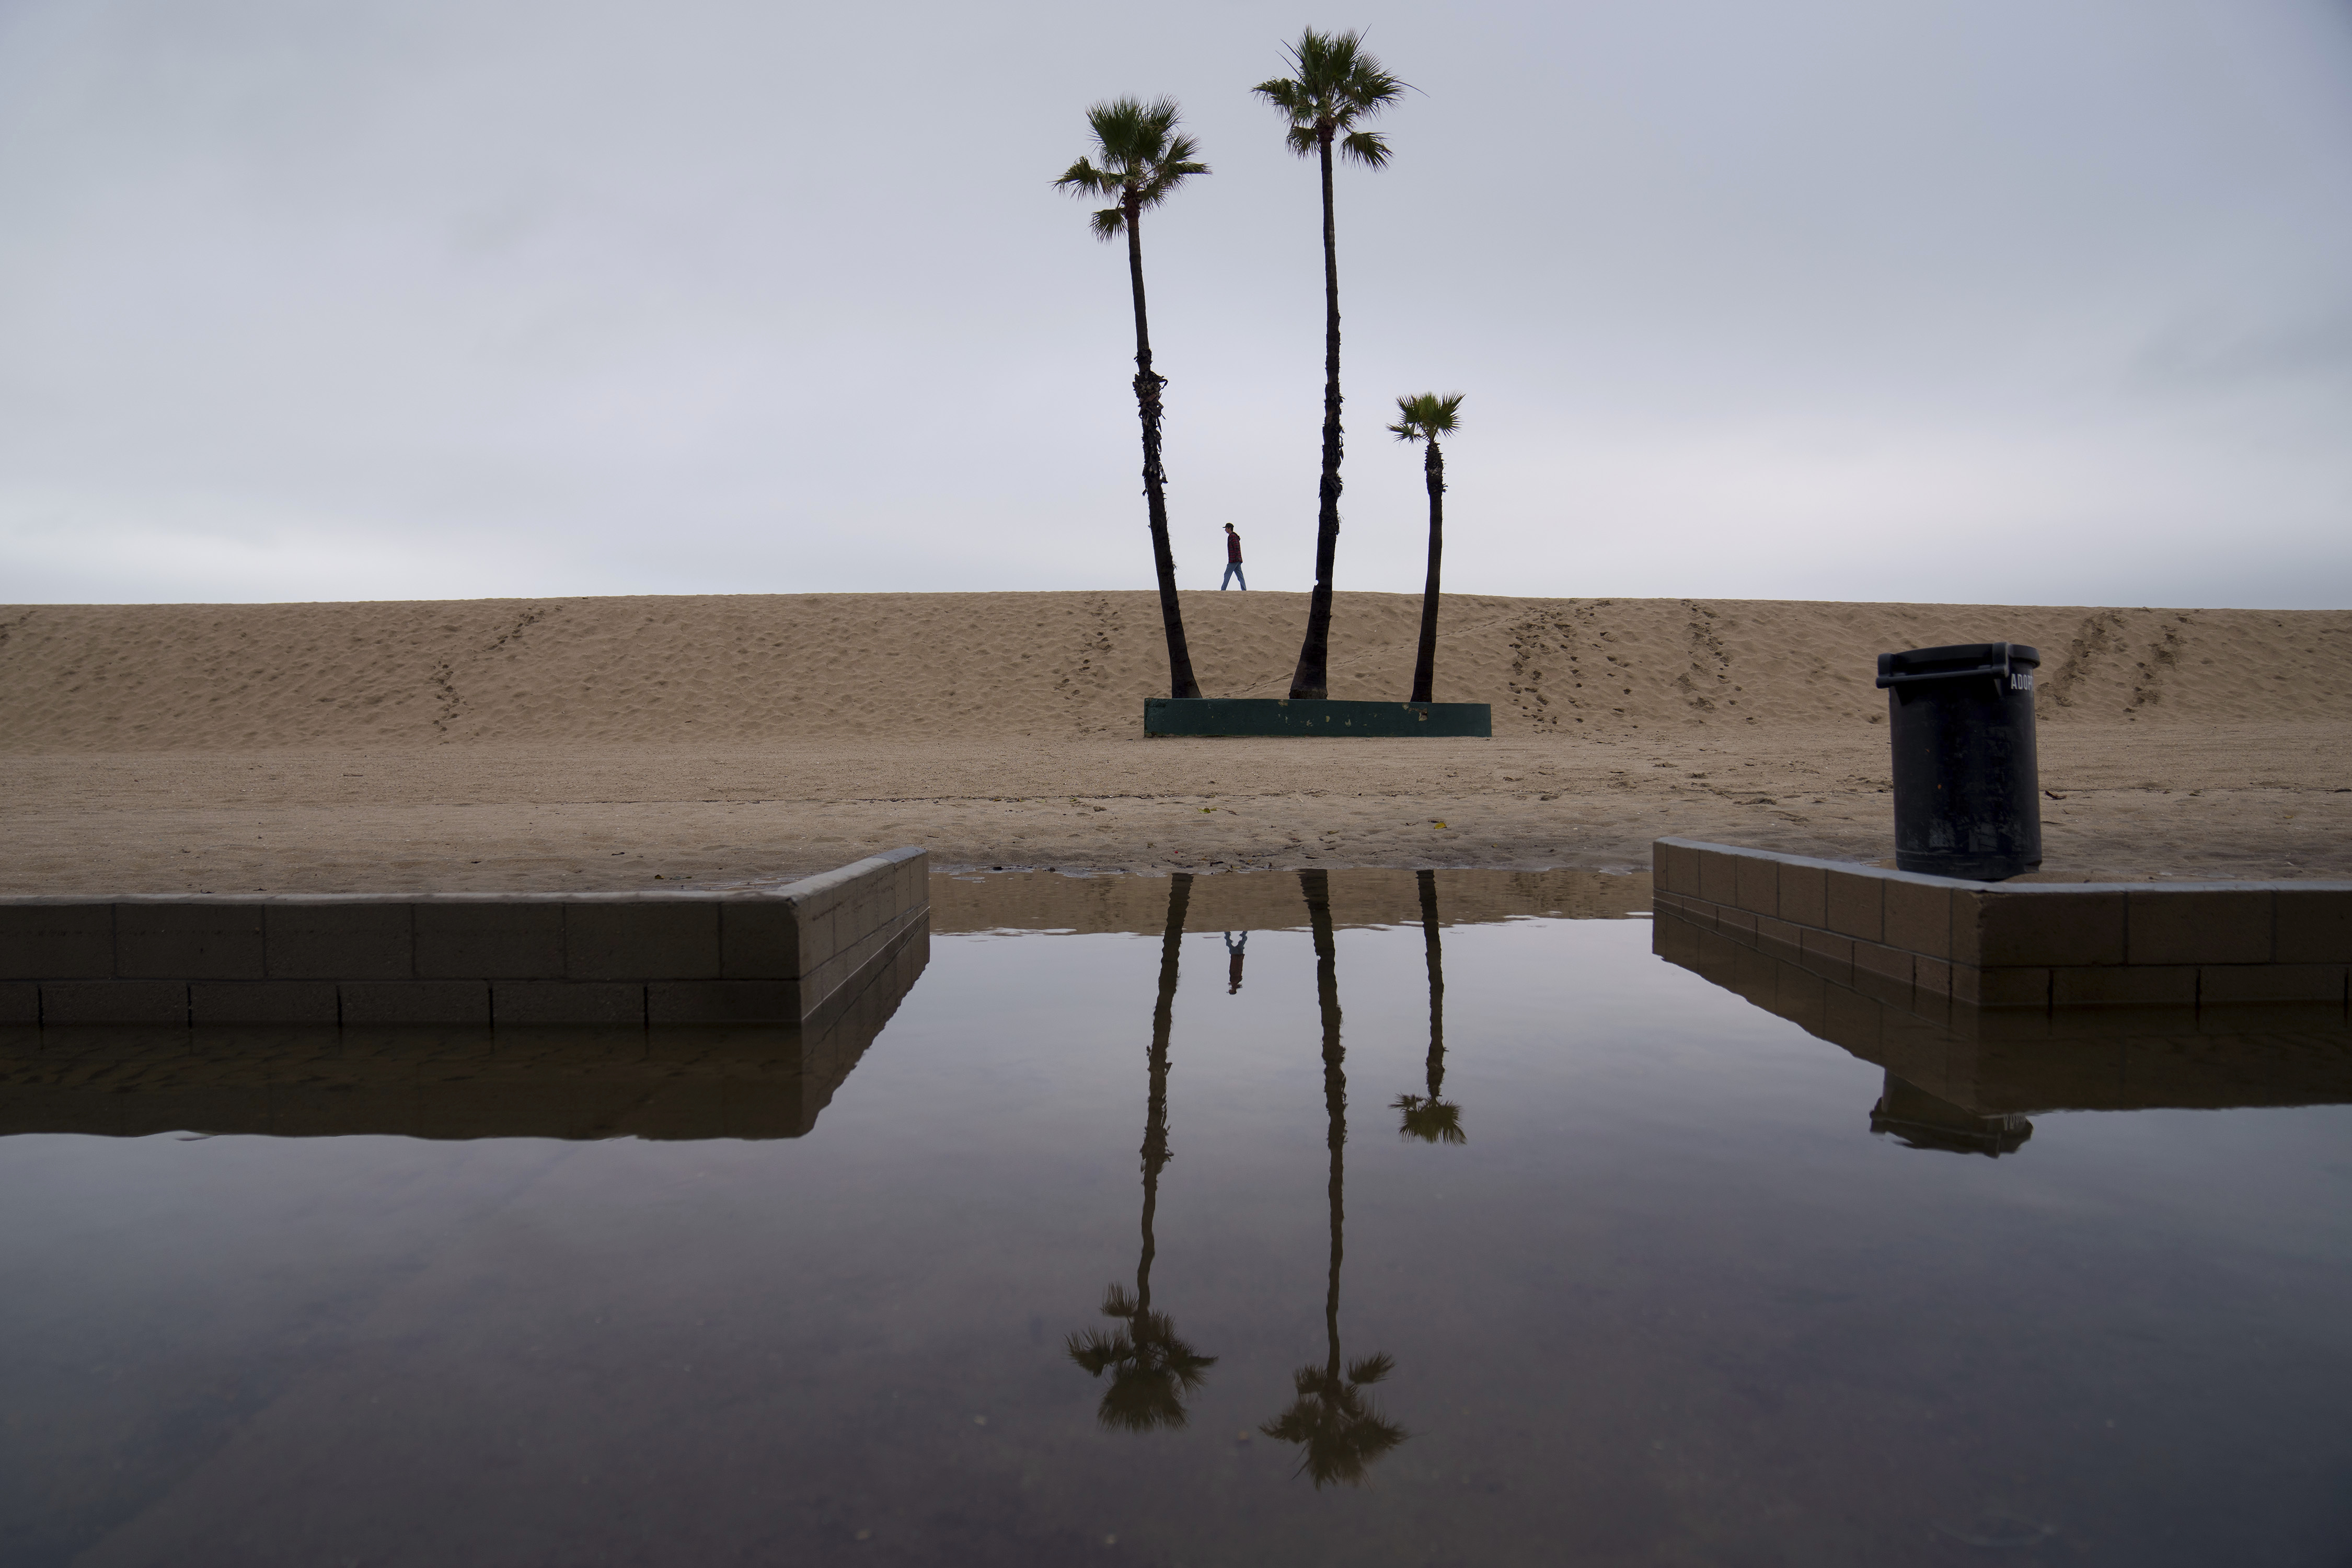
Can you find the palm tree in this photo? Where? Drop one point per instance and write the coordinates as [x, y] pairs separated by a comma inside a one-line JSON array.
[[1152, 1368], [1331, 1417], [1143, 159], [1424, 418], [1431, 1119], [1333, 84]]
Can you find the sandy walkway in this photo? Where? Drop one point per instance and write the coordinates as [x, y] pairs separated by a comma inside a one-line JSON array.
[[300, 747]]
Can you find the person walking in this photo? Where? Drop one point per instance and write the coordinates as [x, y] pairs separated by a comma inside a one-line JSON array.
[[1233, 561], [1237, 950]]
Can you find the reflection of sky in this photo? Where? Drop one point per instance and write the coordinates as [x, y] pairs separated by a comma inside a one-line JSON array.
[[441, 300], [1672, 1294]]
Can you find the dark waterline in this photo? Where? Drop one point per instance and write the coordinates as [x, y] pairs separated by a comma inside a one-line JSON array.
[[1583, 1258]]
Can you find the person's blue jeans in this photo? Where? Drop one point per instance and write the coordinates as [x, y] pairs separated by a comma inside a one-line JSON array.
[[1233, 574]]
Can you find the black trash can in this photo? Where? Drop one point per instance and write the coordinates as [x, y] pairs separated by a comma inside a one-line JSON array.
[[1967, 790]]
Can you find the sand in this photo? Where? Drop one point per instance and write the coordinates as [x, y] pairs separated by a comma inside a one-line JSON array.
[[625, 743]]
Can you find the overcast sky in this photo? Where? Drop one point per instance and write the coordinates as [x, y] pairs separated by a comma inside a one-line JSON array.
[[2037, 300]]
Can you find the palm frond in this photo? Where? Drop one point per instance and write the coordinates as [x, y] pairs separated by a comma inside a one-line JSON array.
[[1366, 147], [1371, 1369], [1339, 1431], [1143, 159], [1425, 417], [1334, 83]]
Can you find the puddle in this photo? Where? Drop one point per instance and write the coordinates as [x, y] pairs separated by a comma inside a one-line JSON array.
[[1278, 1233]]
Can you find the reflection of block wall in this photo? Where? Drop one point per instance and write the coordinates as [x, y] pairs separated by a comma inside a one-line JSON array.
[[478, 960], [2022, 945], [739, 1081], [2008, 1062]]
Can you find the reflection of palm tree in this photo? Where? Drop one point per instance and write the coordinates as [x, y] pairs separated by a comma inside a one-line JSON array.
[[1151, 1369], [1429, 1118], [1332, 1418]]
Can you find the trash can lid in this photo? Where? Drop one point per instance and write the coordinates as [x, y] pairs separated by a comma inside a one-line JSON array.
[[1958, 658]]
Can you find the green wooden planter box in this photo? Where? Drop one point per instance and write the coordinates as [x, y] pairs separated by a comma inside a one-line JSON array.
[[1312, 716]]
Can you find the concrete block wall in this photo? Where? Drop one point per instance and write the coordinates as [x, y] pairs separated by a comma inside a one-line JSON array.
[[2022, 944], [457, 959]]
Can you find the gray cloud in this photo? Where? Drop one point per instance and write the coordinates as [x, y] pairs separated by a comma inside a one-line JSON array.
[[1826, 299]]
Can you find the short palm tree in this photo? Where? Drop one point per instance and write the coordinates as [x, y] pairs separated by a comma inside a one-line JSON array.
[[1151, 1369], [1430, 1117], [1424, 418], [1144, 158], [1339, 1430], [1332, 85]]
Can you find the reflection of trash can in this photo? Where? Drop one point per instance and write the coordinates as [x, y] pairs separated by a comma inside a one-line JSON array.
[[1962, 725]]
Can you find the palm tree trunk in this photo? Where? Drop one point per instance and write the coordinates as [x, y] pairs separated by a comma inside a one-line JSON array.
[[1313, 676], [1316, 885], [1147, 402], [1434, 955], [1424, 664], [1155, 1116]]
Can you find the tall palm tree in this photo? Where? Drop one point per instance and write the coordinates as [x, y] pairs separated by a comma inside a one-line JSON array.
[[1151, 1369], [1143, 159], [1333, 83], [1429, 1118], [1426, 417], [1331, 1417]]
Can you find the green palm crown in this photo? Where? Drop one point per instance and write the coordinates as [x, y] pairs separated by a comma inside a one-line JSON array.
[[1333, 84], [1425, 417], [1144, 158]]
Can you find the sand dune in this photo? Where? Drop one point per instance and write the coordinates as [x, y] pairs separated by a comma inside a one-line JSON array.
[[762, 669], [608, 742]]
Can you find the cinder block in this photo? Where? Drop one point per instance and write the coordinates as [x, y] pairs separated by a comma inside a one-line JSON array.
[[530, 1002], [1699, 912], [262, 1002], [1734, 923], [2109, 985], [1804, 895], [1888, 989], [641, 941], [1781, 933], [1719, 877], [2315, 925], [20, 1002], [1829, 947], [2270, 983], [1759, 885], [1886, 962], [761, 941], [1667, 864], [1932, 974], [1919, 917], [2033, 928], [723, 1002], [189, 941], [502, 940], [114, 1002], [338, 941], [2200, 925], [370, 1001], [1854, 904], [2008, 987], [1850, 1019], [57, 942]]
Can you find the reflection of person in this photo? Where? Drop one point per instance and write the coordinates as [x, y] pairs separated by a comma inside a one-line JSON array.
[[1234, 972], [1233, 561]]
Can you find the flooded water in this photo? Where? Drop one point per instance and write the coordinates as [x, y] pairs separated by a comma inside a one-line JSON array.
[[1328, 1239]]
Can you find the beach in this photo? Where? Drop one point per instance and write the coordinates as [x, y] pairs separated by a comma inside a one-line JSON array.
[[628, 742]]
